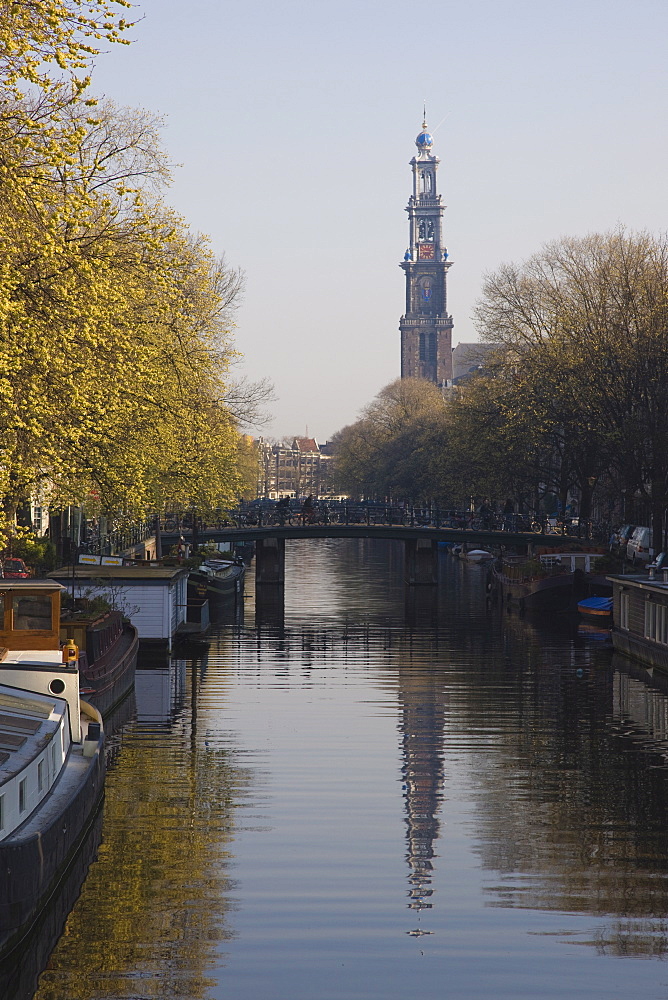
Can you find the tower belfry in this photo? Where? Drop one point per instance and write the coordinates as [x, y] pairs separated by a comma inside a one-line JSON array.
[[426, 328]]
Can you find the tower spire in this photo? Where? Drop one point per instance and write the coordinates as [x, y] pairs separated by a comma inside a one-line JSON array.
[[426, 327]]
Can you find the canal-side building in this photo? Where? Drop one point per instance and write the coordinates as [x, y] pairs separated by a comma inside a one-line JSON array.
[[426, 327], [300, 468], [640, 618]]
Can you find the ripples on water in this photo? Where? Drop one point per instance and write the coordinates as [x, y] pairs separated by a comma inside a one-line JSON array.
[[369, 793]]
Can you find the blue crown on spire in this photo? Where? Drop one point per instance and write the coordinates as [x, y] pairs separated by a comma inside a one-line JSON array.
[[424, 140]]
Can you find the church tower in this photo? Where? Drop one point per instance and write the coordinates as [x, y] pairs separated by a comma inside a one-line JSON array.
[[426, 328]]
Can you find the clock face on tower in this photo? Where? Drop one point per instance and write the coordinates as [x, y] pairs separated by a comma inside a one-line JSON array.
[[426, 251]]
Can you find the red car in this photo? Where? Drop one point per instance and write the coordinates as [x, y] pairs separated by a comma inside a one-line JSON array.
[[15, 569]]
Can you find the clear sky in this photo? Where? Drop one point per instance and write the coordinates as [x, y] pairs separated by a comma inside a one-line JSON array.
[[293, 123]]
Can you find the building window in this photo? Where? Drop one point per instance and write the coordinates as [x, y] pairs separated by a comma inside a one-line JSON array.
[[624, 605], [656, 622], [23, 789], [428, 347]]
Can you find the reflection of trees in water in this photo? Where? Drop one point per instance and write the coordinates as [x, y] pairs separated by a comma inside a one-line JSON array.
[[20, 973], [572, 810], [154, 906]]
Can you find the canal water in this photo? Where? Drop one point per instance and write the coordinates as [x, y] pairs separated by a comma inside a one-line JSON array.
[[368, 793]]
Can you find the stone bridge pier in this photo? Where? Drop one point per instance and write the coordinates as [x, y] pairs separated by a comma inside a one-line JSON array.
[[270, 560]]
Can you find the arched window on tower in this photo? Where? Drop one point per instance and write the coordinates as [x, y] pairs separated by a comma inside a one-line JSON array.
[[425, 182], [428, 347]]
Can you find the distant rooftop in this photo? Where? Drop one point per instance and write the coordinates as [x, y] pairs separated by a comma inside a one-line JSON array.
[[305, 444], [468, 357]]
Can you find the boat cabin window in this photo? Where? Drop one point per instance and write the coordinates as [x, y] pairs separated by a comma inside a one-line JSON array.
[[31, 611], [30, 614], [656, 622]]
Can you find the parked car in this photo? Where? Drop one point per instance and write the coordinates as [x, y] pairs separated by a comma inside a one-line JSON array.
[[638, 547], [15, 569], [620, 539]]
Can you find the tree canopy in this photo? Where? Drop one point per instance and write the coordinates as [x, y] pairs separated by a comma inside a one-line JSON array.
[[396, 448], [584, 324], [115, 319], [572, 402]]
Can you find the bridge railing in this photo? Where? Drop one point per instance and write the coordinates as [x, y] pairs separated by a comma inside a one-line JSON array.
[[269, 513]]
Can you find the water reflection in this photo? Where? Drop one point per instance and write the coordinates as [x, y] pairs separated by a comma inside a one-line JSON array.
[[422, 705], [155, 909], [285, 792], [572, 814]]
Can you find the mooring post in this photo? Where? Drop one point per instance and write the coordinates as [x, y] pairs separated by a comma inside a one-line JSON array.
[[270, 560], [420, 561]]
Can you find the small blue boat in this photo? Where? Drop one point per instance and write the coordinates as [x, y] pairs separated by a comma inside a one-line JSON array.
[[597, 610]]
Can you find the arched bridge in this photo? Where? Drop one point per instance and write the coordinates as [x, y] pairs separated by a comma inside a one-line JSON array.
[[420, 542]]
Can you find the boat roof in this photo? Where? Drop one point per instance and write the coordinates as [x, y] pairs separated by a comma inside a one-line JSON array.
[[604, 603], [46, 585], [27, 722], [148, 572], [44, 658], [640, 580]]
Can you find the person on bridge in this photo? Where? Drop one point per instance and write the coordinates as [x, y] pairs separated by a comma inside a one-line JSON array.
[[308, 513], [485, 513], [283, 509], [508, 515]]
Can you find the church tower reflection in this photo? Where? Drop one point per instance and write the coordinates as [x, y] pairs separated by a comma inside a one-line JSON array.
[[422, 697]]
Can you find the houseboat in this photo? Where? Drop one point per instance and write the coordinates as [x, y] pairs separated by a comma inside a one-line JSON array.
[[154, 598], [217, 578], [108, 646], [551, 580], [52, 762], [640, 617]]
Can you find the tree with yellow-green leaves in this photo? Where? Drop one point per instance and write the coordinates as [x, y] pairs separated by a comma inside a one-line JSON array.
[[114, 319]]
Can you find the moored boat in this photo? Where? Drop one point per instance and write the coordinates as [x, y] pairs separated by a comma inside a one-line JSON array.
[[108, 646], [52, 761], [153, 596], [551, 581], [217, 578], [596, 610], [476, 555]]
